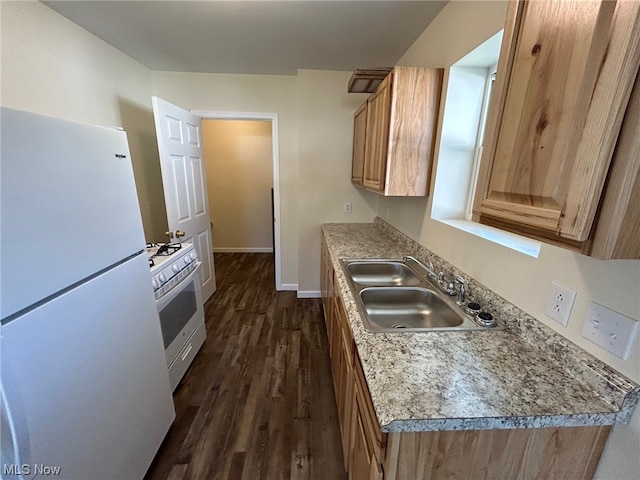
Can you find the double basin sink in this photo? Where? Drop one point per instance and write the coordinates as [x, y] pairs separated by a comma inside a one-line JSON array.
[[394, 297]]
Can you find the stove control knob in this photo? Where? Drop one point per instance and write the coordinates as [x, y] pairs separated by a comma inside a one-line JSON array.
[[175, 268], [192, 255], [155, 282], [162, 277], [187, 259]]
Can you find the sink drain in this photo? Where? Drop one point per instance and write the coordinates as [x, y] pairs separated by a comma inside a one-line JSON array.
[[399, 325]]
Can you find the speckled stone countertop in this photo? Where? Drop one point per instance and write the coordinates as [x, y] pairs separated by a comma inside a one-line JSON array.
[[525, 376]]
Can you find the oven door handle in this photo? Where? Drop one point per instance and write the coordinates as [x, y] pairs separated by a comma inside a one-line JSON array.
[[164, 301]]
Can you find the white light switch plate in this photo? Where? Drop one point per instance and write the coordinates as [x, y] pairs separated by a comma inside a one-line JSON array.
[[611, 330]]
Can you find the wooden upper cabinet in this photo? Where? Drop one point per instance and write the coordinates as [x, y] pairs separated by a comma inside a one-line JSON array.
[[377, 136], [617, 227], [359, 136], [565, 75], [399, 133]]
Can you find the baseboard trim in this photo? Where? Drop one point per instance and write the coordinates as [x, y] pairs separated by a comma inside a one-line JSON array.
[[309, 293], [288, 287], [243, 250]]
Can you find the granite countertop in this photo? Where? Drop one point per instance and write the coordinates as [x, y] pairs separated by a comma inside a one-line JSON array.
[[525, 376]]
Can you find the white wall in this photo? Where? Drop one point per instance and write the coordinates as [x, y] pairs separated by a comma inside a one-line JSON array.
[[250, 93], [521, 279], [239, 162], [52, 66], [325, 140], [315, 114]]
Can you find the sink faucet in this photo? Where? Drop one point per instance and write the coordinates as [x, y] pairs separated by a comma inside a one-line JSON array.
[[429, 268], [462, 289], [431, 271]]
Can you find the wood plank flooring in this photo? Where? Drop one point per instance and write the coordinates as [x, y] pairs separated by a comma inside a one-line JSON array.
[[257, 402]]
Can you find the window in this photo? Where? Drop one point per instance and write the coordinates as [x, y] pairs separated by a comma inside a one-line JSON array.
[[469, 84], [475, 168]]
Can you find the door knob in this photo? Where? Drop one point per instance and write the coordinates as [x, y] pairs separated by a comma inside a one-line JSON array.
[[179, 233], [169, 234]]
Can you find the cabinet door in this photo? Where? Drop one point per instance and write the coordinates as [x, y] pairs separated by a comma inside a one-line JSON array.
[[565, 74], [336, 346], [346, 391], [415, 100], [377, 136], [368, 443], [359, 136], [327, 292], [362, 460]]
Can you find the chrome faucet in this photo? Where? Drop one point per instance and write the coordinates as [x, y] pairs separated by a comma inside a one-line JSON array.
[[462, 289], [429, 269]]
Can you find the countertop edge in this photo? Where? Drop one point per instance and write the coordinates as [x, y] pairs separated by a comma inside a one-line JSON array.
[[501, 423]]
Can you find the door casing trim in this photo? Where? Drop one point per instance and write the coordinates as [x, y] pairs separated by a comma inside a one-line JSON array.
[[273, 118]]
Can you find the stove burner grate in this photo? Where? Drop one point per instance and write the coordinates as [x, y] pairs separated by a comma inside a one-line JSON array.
[[161, 250], [168, 249]]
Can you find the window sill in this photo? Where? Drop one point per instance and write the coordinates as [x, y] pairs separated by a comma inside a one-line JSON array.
[[510, 240]]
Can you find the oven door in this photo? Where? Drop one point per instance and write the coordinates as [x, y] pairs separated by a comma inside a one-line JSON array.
[[181, 311]]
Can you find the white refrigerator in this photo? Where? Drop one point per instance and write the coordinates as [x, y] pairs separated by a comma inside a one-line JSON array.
[[83, 377]]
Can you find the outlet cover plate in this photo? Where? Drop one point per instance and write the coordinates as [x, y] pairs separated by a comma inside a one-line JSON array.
[[559, 303], [611, 330]]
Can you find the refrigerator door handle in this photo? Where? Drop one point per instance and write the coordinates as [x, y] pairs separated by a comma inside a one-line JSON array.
[[12, 462]]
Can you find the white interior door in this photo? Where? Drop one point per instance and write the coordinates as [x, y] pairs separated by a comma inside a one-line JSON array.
[[184, 182]]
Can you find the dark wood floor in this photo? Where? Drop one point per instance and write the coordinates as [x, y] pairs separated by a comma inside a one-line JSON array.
[[257, 403]]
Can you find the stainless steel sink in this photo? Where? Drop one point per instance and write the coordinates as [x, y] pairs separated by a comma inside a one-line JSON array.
[[407, 307], [393, 296], [382, 273]]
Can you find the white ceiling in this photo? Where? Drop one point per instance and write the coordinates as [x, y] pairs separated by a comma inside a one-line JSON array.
[[255, 37]]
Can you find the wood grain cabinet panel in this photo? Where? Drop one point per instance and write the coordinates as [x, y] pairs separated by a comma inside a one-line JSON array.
[[367, 444], [525, 454], [327, 291], [359, 138], [616, 233], [377, 136], [565, 76], [345, 392], [398, 133]]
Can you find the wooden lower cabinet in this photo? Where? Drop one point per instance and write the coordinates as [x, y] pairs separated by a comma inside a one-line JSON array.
[[369, 454], [533, 453], [363, 464], [328, 293], [341, 352], [345, 391], [367, 443]]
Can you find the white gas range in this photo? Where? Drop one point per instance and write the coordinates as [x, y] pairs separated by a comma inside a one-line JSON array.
[[176, 285]]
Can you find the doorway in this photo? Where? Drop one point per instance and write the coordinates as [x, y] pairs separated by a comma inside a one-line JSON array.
[[241, 154]]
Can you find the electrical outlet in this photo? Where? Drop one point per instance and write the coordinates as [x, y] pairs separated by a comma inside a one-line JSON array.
[[559, 303], [347, 207], [611, 330]]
